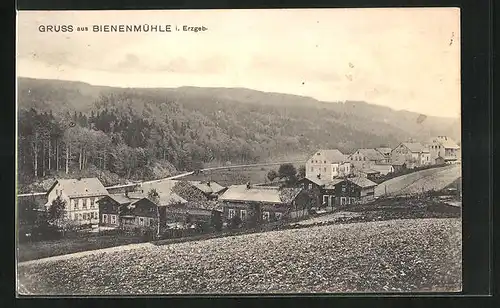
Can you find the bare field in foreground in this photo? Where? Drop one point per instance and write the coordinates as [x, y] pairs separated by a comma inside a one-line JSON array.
[[385, 256]]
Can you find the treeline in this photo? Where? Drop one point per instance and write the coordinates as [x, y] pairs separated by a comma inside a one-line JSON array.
[[129, 133]]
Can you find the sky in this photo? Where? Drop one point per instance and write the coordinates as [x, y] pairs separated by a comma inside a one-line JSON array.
[[401, 58]]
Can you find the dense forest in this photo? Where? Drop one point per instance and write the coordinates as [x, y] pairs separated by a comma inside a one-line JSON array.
[[75, 129]]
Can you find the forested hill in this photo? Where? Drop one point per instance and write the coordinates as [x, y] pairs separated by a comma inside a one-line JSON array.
[[129, 131]]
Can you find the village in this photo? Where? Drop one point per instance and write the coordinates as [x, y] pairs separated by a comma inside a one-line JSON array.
[[161, 209]]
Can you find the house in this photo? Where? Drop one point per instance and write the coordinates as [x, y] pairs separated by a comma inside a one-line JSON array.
[[445, 147], [439, 161], [386, 152], [316, 188], [80, 196], [366, 158], [384, 169], [328, 164], [370, 174], [109, 209], [263, 203], [354, 190], [142, 214], [414, 154]]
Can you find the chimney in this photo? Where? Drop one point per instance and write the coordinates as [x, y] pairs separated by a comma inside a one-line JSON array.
[[248, 185], [319, 176], [208, 183]]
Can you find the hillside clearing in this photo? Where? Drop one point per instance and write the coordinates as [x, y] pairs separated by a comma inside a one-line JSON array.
[[420, 181], [389, 256]]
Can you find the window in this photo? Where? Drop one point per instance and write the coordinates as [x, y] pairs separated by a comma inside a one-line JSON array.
[[324, 162], [231, 213], [72, 204], [278, 215], [151, 221], [325, 199], [113, 219], [105, 218], [265, 216], [324, 169], [92, 202], [343, 189], [243, 214], [141, 221], [310, 186], [79, 216]]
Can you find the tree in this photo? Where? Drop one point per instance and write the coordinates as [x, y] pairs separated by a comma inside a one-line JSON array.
[[154, 196], [271, 175], [27, 211], [56, 211], [288, 172], [302, 172]]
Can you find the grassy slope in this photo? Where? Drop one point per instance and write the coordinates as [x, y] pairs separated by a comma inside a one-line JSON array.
[[399, 255], [436, 178]]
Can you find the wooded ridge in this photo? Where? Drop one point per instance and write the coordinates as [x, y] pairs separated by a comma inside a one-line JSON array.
[[76, 129]]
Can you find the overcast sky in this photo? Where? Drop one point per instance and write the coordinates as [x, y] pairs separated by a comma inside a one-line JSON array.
[[400, 58]]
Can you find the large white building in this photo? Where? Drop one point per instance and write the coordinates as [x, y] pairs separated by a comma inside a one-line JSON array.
[[327, 165], [445, 147], [80, 196]]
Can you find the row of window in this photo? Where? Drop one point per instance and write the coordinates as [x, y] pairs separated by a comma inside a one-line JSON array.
[[84, 216], [83, 203], [243, 214], [318, 161], [109, 219]]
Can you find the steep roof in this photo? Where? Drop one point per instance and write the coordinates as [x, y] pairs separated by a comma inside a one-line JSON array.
[[384, 151], [371, 154], [333, 155], [317, 181], [385, 168], [121, 198], [362, 182], [260, 194], [446, 142], [86, 187], [331, 184], [207, 187], [369, 171], [164, 189], [416, 147]]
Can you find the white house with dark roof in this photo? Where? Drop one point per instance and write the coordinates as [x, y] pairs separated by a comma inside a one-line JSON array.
[[365, 159], [328, 164], [444, 147], [81, 196], [414, 154]]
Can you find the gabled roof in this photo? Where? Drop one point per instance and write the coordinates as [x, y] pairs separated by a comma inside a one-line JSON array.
[[446, 142], [369, 171], [371, 154], [207, 187], [331, 184], [416, 147], [86, 187], [382, 168], [331, 155], [317, 181], [384, 151], [121, 198], [260, 194], [362, 182], [164, 189]]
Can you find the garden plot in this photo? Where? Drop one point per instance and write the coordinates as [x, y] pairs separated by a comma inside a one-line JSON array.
[[384, 256]]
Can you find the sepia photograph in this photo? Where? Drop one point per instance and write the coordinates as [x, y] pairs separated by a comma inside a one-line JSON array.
[[238, 152]]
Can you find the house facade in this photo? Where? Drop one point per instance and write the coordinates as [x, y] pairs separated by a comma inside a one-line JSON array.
[[316, 188], [80, 197], [263, 203], [366, 158], [328, 164], [414, 154], [355, 190], [445, 147]]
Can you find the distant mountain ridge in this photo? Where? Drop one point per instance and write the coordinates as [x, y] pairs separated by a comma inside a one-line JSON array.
[[390, 126]]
